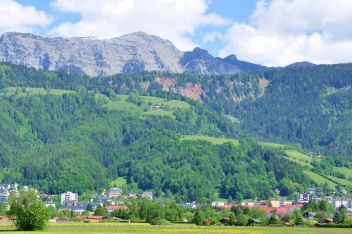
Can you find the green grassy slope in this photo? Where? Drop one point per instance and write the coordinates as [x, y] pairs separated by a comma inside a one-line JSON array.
[[318, 179], [213, 140]]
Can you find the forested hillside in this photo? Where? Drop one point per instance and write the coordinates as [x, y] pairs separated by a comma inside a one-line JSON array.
[[57, 140], [311, 106], [306, 105], [63, 141], [66, 131]]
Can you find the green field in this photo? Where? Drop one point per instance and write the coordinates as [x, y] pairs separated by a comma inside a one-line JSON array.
[[163, 113], [213, 140], [219, 140], [122, 104], [272, 145], [19, 91], [318, 179], [176, 104], [340, 181], [119, 182], [102, 228], [298, 157], [344, 170]]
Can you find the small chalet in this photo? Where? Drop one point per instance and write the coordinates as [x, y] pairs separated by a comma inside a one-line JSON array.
[[148, 195], [114, 192]]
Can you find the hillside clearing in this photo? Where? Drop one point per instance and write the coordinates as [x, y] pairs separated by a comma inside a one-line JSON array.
[[344, 170], [163, 113], [340, 181], [213, 140], [319, 180], [119, 182], [299, 158], [176, 104], [22, 91]]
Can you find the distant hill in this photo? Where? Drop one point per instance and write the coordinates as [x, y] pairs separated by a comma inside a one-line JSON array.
[[300, 64], [131, 53]]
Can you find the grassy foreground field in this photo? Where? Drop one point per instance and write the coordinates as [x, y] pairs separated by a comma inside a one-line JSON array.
[[103, 228]]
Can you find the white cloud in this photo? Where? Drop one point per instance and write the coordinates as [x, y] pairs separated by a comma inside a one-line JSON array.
[[285, 31], [17, 17], [212, 36], [172, 19]]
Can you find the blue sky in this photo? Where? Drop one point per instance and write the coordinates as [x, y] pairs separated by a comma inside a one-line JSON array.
[[269, 32], [236, 10]]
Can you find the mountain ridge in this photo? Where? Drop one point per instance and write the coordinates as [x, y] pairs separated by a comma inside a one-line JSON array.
[[129, 53]]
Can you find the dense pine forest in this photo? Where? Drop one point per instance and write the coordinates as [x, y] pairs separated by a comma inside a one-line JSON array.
[[311, 106], [66, 131]]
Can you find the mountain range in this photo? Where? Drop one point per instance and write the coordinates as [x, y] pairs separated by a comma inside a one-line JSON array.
[[131, 53], [152, 113]]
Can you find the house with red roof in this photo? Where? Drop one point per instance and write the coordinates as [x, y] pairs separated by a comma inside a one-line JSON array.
[[116, 207]]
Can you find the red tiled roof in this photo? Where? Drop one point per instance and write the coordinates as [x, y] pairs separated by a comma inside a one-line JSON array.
[[93, 217], [226, 207], [116, 208], [280, 210]]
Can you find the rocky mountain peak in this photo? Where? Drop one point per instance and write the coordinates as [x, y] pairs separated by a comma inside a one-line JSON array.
[[130, 53]]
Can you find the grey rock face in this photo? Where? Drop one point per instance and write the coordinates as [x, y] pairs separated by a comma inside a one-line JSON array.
[[135, 52], [92, 56], [200, 61]]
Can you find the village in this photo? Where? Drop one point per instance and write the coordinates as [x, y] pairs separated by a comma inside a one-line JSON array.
[[115, 199]]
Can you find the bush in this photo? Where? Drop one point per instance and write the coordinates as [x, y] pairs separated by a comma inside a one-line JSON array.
[[242, 220], [31, 213], [334, 225], [273, 220], [159, 221], [100, 211], [310, 223]]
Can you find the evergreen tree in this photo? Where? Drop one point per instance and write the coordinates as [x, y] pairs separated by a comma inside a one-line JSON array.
[[273, 219], [89, 207], [198, 217], [298, 218], [100, 211]]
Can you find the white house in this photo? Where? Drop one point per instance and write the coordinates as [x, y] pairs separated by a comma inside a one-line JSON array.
[[148, 195], [69, 196], [4, 196], [50, 204], [217, 204], [338, 202], [114, 192]]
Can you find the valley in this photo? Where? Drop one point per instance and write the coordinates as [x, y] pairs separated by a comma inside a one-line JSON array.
[[175, 116]]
